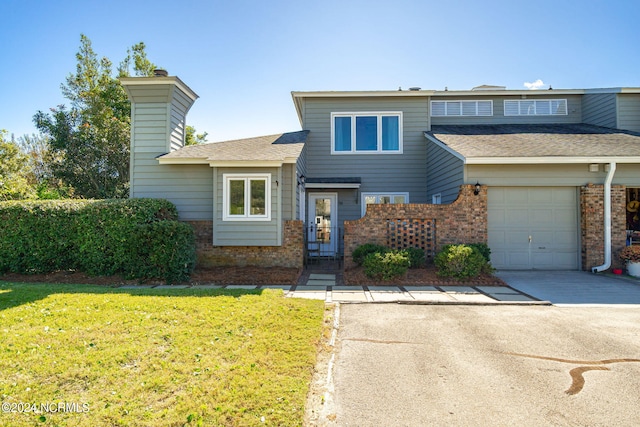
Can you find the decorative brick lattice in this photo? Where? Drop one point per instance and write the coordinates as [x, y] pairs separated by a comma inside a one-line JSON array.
[[412, 233]]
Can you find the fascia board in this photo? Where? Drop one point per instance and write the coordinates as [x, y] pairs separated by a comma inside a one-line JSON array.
[[170, 80], [479, 93], [445, 147], [362, 94], [246, 163], [316, 185], [548, 160]]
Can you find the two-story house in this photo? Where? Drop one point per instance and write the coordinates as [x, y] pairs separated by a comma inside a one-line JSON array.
[[560, 168]]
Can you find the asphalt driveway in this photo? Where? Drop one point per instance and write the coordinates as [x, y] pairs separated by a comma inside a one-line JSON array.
[[416, 365]]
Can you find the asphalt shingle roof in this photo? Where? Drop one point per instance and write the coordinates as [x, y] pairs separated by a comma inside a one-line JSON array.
[[262, 148], [561, 140]]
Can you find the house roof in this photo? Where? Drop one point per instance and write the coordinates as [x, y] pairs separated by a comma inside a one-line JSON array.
[[269, 150], [531, 143]]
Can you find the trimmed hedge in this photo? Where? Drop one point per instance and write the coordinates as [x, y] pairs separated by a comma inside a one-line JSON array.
[[102, 237]]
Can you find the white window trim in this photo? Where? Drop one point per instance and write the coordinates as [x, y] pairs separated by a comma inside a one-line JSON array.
[[247, 177], [379, 115], [566, 105], [446, 112], [378, 194]]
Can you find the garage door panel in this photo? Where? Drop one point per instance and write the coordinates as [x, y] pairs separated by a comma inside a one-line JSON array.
[[548, 214], [542, 239], [517, 259], [516, 217], [541, 216], [541, 197]]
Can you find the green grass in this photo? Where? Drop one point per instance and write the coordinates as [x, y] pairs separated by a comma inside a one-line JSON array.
[[156, 357]]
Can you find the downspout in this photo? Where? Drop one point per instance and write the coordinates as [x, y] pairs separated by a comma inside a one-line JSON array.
[[607, 220]]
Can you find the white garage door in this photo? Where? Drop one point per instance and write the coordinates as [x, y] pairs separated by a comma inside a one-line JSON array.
[[533, 228]]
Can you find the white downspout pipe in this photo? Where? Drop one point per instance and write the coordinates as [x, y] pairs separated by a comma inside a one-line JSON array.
[[607, 220]]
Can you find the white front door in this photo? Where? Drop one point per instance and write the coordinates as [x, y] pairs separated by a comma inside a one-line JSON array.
[[322, 224]]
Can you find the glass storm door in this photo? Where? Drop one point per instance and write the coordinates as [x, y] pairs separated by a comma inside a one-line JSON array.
[[322, 223]]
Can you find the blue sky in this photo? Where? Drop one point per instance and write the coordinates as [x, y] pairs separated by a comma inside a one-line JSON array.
[[245, 57]]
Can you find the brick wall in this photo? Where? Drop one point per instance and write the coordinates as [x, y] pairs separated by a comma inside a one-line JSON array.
[[463, 221], [592, 224], [290, 254]]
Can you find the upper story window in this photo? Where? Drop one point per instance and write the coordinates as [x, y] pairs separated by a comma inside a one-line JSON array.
[[536, 107], [246, 197], [461, 108], [366, 133]]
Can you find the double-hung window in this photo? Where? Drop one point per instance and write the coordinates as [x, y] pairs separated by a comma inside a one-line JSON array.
[[247, 197], [366, 133]]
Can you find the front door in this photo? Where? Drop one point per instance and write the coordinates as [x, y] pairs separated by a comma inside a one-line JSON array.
[[322, 225]]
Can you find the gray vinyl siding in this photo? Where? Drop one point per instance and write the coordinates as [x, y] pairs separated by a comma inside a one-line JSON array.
[[535, 175], [301, 168], [629, 111], [445, 173], [599, 109], [404, 172], [574, 109], [247, 233], [189, 187], [627, 174], [179, 107], [288, 192]]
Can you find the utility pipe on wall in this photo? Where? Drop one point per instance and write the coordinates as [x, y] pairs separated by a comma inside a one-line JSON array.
[[607, 220]]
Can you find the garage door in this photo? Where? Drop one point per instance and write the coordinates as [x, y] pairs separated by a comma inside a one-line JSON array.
[[533, 228]]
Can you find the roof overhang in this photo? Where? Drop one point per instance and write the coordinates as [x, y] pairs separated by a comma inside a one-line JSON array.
[[128, 82], [532, 159], [299, 96], [336, 183], [547, 160], [226, 163]]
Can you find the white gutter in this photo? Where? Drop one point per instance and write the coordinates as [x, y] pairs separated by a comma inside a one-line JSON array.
[[607, 220]]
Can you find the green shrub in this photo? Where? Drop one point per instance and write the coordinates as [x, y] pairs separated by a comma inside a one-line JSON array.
[[162, 250], [361, 252], [416, 257], [484, 250], [101, 237], [105, 227], [386, 265], [460, 261], [38, 236]]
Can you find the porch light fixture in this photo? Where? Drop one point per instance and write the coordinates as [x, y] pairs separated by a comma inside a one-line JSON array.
[[476, 191], [301, 180]]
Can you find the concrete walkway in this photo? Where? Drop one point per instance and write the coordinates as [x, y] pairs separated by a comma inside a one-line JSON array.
[[323, 286]]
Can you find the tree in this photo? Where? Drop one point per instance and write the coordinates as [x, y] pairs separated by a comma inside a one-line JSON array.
[[14, 184], [193, 138], [89, 142]]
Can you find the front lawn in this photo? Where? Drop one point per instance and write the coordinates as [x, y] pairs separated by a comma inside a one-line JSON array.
[[115, 357]]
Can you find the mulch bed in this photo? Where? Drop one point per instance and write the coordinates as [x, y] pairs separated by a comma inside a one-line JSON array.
[[259, 276], [420, 276]]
